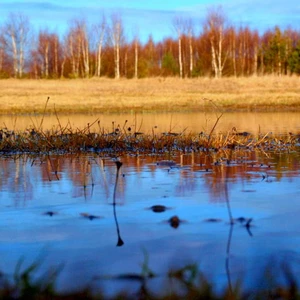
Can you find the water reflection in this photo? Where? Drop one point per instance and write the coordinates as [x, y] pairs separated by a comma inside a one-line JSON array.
[[254, 122], [24, 176], [64, 202]]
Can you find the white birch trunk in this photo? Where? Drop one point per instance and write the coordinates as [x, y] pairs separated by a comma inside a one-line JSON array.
[[213, 59], [136, 58], [15, 54], [255, 62], [220, 68], [180, 55], [46, 58], [85, 56], [21, 54], [62, 67], [117, 61], [116, 38], [100, 31], [99, 52], [71, 51], [191, 55], [233, 50], [56, 57]]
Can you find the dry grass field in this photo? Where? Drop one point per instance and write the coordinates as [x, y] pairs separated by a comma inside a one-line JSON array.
[[151, 94]]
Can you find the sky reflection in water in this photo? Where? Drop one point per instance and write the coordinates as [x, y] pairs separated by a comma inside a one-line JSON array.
[[74, 188]]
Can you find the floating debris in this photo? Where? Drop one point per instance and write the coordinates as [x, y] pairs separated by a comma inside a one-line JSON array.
[[175, 221], [90, 217], [213, 220], [240, 220], [248, 223], [50, 213], [158, 208]]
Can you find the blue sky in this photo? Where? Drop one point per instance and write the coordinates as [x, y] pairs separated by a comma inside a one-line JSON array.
[[154, 17]]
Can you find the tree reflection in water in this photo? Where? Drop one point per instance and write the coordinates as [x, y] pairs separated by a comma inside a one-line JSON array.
[[232, 191]]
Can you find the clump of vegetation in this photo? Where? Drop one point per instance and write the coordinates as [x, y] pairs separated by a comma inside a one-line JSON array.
[[26, 284], [189, 283], [123, 140]]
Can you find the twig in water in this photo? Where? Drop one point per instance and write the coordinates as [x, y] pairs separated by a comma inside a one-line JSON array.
[[226, 193], [216, 123], [227, 258], [120, 241]]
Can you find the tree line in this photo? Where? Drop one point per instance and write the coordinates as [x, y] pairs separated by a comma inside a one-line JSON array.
[[95, 50]]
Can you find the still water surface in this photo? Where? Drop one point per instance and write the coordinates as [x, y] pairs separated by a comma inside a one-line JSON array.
[[162, 122], [261, 186]]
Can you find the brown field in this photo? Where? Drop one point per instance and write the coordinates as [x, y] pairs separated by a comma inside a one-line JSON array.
[[151, 94]]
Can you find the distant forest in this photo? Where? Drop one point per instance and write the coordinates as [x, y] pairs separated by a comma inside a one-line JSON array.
[[95, 50]]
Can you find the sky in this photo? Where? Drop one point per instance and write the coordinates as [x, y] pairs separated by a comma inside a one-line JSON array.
[[155, 17]]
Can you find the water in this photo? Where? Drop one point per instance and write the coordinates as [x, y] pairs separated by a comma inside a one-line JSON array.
[[261, 186], [161, 122]]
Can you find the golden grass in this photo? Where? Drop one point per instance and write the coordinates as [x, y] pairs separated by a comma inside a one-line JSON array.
[[151, 94]]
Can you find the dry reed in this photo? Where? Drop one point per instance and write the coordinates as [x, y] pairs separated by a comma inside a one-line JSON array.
[[123, 140]]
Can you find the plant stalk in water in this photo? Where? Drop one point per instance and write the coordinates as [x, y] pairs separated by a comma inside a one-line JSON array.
[[120, 241]]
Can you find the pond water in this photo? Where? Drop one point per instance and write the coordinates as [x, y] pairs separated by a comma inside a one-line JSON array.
[[59, 210], [253, 122]]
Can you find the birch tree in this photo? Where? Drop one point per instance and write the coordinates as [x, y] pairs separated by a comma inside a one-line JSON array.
[[69, 51], [78, 48], [99, 31], [232, 49], [83, 45], [136, 55], [85, 49], [178, 25], [243, 49], [116, 38], [56, 54], [2, 50], [190, 34], [64, 51], [255, 41], [215, 26], [42, 54], [16, 38], [45, 57]]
